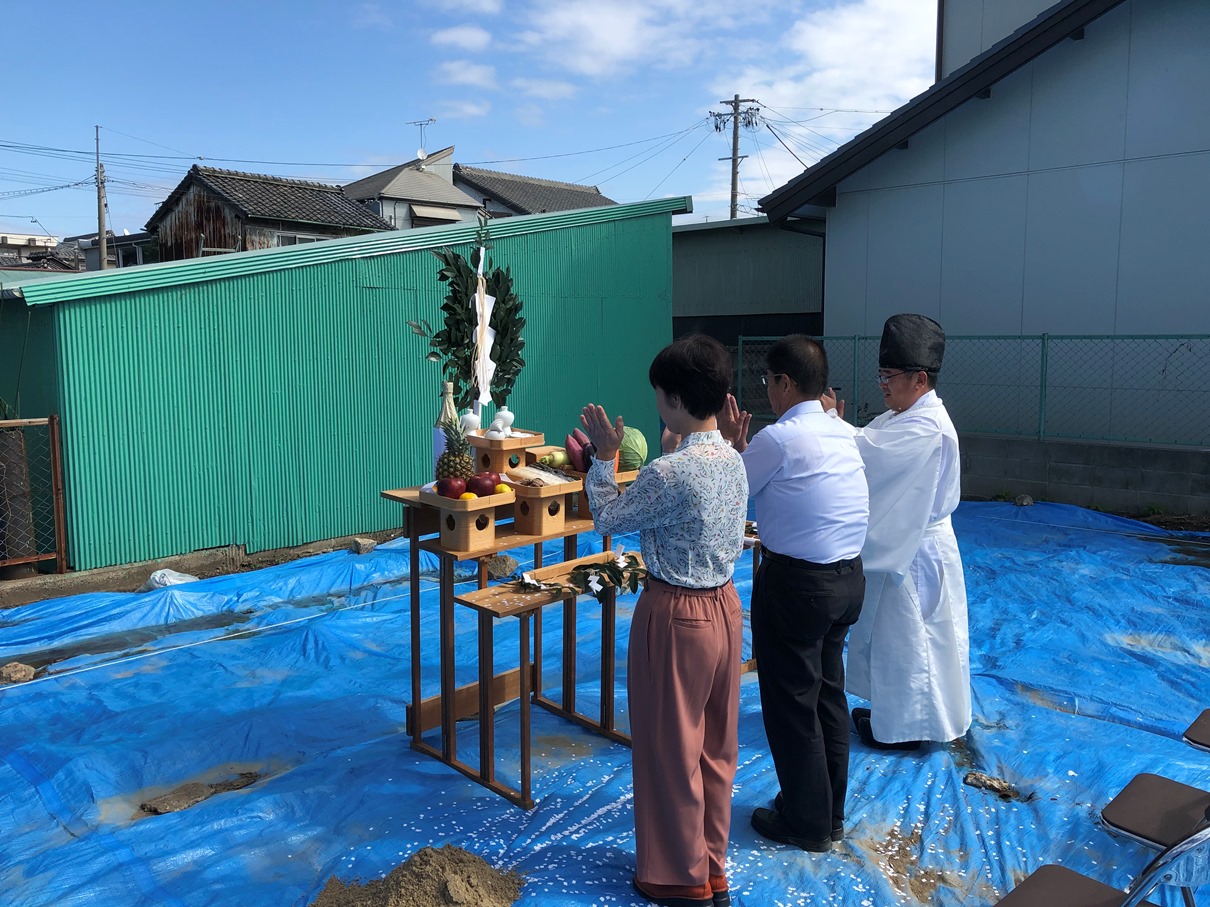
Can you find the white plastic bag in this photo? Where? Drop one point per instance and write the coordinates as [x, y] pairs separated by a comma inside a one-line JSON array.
[[165, 577]]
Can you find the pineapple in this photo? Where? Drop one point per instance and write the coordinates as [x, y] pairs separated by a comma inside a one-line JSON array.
[[456, 461]]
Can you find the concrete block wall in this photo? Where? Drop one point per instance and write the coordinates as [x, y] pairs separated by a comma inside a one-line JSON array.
[[1121, 478]]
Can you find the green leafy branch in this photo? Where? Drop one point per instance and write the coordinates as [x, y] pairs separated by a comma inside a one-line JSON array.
[[624, 572], [454, 344]]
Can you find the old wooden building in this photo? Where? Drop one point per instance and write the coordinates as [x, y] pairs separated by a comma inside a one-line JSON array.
[[214, 211]]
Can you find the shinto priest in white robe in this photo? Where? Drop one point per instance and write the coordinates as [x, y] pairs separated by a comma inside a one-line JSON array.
[[909, 652]]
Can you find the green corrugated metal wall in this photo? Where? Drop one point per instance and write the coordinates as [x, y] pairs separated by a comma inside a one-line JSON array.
[[27, 359], [270, 408]]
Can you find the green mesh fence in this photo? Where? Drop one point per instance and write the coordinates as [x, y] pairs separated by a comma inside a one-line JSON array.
[[1141, 388]]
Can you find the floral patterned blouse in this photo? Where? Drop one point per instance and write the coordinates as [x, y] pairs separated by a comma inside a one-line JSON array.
[[687, 506]]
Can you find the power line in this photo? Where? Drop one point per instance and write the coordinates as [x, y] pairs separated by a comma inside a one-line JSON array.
[[668, 143], [677, 167], [787, 147]]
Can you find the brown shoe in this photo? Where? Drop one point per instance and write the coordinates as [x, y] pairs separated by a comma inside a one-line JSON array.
[[675, 895], [719, 891]]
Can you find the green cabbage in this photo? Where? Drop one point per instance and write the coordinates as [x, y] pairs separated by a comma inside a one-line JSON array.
[[633, 452]]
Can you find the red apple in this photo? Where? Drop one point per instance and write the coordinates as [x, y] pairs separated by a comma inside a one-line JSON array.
[[481, 485], [494, 476], [451, 487]]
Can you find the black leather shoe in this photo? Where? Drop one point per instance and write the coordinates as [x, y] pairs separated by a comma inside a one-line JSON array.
[[837, 833], [861, 721], [721, 898], [769, 824], [674, 901]]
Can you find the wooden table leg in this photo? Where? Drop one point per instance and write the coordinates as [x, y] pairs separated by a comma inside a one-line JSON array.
[[487, 714], [482, 572], [538, 652], [526, 800], [608, 624], [449, 747], [411, 521], [569, 653], [537, 555]]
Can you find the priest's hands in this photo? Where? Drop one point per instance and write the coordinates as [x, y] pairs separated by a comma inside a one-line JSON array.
[[605, 436], [830, 402], [733, 424]]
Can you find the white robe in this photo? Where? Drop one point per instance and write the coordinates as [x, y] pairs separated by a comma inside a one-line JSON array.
[[909, 652]]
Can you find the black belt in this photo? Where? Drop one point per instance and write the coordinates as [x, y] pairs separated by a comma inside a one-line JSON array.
[[843, 566]]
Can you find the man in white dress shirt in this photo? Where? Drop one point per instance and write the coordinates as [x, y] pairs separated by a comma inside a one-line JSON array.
[[807, 481], [908, 654]]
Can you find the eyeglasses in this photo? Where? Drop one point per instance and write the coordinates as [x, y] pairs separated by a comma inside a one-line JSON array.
[[764, 379], [886, 379]]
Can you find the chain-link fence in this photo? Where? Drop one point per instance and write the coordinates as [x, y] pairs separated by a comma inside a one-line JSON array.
[[31, 494], [1149, 389]]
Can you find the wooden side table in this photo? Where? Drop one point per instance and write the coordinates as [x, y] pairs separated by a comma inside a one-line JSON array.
[[501, 601], [452, 702]]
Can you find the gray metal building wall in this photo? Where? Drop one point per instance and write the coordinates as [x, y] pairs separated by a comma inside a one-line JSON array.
[[1074, 200]]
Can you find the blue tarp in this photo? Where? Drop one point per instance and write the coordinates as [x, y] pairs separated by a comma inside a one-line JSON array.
[[1090, 650]]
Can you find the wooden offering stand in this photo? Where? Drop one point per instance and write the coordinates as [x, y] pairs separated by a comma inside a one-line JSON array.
[[467, 524], [542, 509], [502, 454], [424, 516]]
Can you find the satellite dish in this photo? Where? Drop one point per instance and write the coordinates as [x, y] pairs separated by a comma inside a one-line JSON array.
[[421, 154]]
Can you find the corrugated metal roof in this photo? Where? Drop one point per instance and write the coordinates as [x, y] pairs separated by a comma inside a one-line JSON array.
[[528, 194], [263, 197], [218, 267], [22, 275]]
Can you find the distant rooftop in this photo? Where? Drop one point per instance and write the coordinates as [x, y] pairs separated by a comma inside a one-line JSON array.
[[528, 194], [262, 197]]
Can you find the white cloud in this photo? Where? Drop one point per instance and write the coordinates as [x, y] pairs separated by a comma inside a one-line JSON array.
[[463, 72], [483, 7], [371, 15], [466, 37], [867, 55], [547, 89], [530, 115], [456, 110], [598, 37]]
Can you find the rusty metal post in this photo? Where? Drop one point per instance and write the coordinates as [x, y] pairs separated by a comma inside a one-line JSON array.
[[56, 484]]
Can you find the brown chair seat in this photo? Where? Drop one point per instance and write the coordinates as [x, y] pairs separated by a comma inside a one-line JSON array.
[[1198, 733], [1156, 811], [1058, 886]]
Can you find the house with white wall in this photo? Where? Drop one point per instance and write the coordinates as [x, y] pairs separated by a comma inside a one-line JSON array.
[[1056, 182]]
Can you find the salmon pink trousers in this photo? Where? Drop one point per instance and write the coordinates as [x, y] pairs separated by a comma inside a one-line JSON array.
[[683, 694]]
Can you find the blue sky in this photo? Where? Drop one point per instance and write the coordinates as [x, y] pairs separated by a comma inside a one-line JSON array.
[[613, 93]]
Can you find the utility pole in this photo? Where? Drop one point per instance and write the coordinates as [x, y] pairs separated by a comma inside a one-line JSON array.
[[751, 116], [102, 243]]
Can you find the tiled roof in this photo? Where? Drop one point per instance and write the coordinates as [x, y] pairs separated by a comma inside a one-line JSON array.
[[530, 195], [262, 197]]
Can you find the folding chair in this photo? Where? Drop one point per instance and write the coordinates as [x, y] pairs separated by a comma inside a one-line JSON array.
[[1157, 812], [1198, 733], [1186, 863]]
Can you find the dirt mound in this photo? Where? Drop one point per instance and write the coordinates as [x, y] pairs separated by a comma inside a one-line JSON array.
[[432, 877]]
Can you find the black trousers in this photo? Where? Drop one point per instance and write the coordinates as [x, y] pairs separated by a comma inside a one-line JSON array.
[[801, 614]]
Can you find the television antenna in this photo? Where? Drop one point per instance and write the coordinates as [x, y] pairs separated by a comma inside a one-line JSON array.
[[421, 154]]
